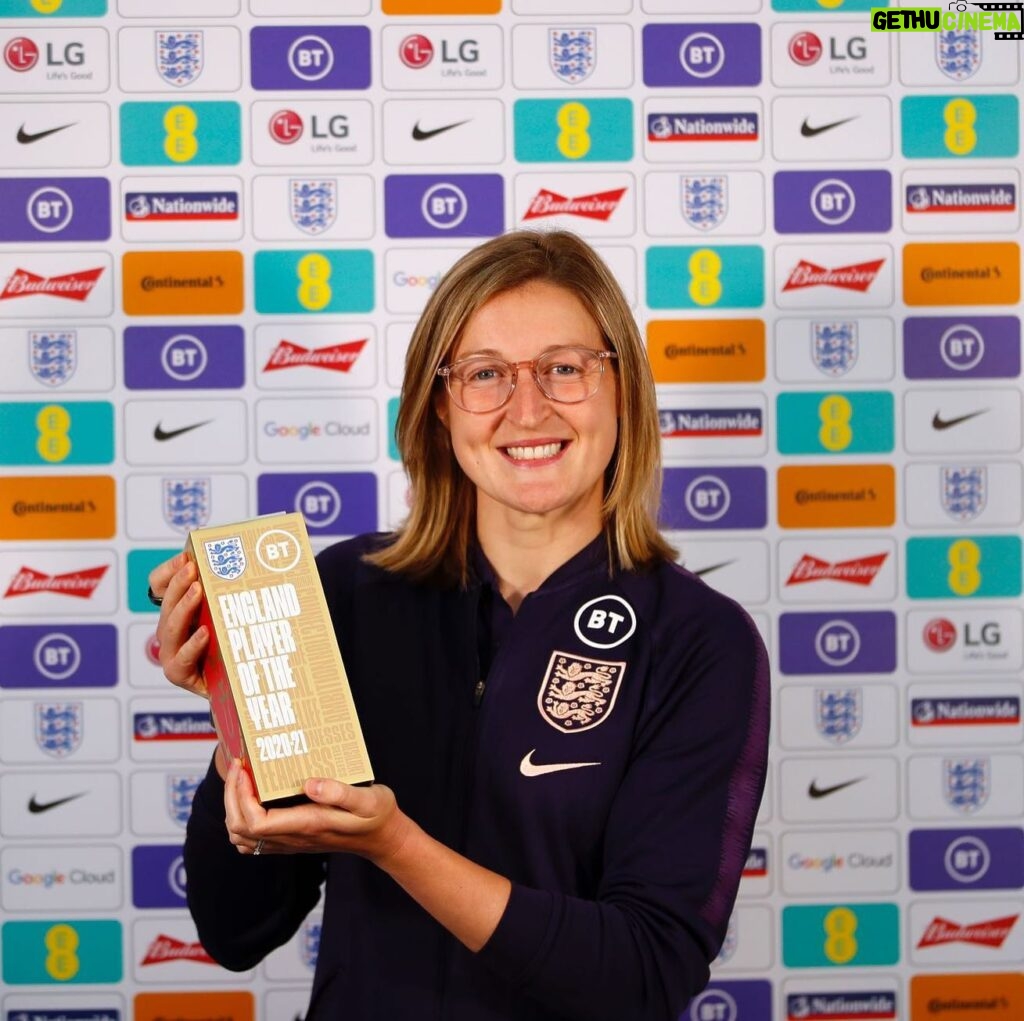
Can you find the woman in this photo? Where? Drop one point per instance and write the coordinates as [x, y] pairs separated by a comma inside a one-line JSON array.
[[574, 727]]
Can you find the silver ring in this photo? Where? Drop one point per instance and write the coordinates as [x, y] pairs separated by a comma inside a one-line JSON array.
[[258, 849]]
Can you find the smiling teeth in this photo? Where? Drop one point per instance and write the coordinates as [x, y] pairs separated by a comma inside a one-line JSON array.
[[534, 453]]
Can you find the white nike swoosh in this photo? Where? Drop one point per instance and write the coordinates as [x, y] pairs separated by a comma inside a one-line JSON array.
[[528, 768]]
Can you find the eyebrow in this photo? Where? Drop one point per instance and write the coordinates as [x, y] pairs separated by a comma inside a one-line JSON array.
[[493, 352]]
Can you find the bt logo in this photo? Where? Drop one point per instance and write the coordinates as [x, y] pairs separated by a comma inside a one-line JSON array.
[[278, 550], [184, 357], [833, 201], [49, 209], [605, 622], [319, 503], [702, 55], [310, 58], [57, 656], [444, 206], [962, 347], [837, 643]]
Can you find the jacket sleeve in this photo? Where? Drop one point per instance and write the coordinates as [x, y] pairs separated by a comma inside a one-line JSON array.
[[675, 845], [243, 906]]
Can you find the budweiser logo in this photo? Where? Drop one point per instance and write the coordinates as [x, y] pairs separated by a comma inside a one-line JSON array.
[[167, 948], [599, 206], [861, 571], [850, 278], [73, 286], [80, 584], [337, 357], [986, 934]]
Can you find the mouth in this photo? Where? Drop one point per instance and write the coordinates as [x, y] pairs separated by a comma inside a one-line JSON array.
[[535, 452]]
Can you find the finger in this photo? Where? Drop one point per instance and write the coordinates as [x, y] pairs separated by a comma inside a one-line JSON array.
[[245, 814], [160, 576], [359, 801]]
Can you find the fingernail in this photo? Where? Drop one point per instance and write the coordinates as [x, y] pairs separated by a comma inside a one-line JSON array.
[[193, 589], [316, 787]]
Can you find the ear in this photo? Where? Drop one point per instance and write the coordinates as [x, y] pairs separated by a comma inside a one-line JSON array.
[[441, 406]]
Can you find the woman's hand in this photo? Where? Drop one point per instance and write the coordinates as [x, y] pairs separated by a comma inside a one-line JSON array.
[[182, 644], [359, 820]]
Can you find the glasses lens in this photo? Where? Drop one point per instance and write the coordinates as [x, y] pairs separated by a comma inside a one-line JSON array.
[[480, 384], [569, 374]]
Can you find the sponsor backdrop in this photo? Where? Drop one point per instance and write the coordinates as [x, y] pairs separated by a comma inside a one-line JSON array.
[[218, 223]]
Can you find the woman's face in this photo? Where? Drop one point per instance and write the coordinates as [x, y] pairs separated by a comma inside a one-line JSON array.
[[533, 455]]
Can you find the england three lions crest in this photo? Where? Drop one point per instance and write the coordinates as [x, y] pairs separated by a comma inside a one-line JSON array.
[[705, 200], [226, 557], [179, 57], [314, 204], [53, 355], [958, 53], [834, 347], [578, 692], [59, 727], [186, 503], [964, 491], [572, 53]]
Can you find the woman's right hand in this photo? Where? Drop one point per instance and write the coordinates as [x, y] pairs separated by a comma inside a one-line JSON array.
[[182, 644]]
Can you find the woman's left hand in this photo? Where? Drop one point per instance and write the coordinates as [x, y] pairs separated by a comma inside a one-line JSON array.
[[358, 820]]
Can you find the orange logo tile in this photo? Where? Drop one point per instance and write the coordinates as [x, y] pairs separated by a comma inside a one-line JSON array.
[[706, 350], [837, 496], [58, 507], [968, 997], [440, 6], [206, 1006], [182, 283], [982, 273]]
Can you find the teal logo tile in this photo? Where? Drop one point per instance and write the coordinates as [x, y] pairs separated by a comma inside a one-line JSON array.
[[61, 952], [729, 276], [857, 422], [573, 130], [393, 405], [840, 935], [959, 127], [320, 282], [56, 432], [52, 8], [140, 563], [181, 134], [964, 567]]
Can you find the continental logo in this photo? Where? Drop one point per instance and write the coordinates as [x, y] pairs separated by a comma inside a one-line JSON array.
[[204, 1006], [971, 273], [183, 283], [973, 997], [837, 496], [707, 350], [58, 507]]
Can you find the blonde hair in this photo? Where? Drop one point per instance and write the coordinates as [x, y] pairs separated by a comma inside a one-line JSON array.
[[435, 539]]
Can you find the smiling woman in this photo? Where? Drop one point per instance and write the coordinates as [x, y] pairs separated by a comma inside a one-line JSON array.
[[572, 728]]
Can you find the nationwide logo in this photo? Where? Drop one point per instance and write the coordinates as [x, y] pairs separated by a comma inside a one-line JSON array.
[[961, 198], [165, 949], [984, 934], [183, 726], [939, 712], [866, 1006], [722, 422], [598, 206], [335, 357], [73, 286], [180, 207], [756, 865], [857, 277], [78, 584], [703, 127], [861, 571]]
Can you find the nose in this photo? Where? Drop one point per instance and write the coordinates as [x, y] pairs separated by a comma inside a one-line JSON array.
[[527, 403]]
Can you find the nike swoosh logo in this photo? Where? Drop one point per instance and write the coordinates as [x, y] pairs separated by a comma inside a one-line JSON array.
[[815, 791], [808, 132], [938, 422], [35, 807], [701, 571], [28, 137], [420, 135], [528, 768], [161, 435]]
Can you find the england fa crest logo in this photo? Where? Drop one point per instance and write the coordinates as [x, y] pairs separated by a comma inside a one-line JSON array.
[[309, 942], [966, 783], [572, 53], [838, 713], [226, 557], [186, 503], [59, 727], [834, 347], [578, 693], [53, 355], [181, 789], [179, 57], [958, 53], [705, 200], [313, 204], [964, 491]]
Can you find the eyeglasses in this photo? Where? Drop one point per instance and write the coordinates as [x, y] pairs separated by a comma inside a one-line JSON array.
[[482, 383]]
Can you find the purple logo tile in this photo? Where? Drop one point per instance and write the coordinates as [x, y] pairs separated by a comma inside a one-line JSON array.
[[838, 642], [988, 859], [338, 503], [310, 57], [184, 357], [713, 497], [459, 205], [58, 656], [158, 877], [961, 347], [833, 201], [702, 55], [54, 209], [749, 1000]]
